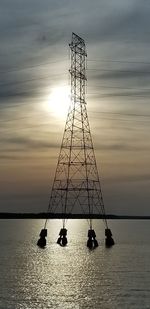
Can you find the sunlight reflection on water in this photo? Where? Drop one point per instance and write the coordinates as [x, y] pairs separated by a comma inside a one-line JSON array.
[[74, 277]]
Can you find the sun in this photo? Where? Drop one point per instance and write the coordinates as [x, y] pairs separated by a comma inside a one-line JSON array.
[[59, 100]]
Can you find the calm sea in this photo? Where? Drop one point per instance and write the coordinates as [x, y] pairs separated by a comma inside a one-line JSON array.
[[74, 277]]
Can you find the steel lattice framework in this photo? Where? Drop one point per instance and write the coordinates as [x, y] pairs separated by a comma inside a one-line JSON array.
[[76, 187]]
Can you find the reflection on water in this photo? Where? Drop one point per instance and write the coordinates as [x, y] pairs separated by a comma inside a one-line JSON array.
[[73, 276]]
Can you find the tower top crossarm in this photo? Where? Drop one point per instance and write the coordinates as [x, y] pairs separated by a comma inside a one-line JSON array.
[[78, 45], [78, 68]]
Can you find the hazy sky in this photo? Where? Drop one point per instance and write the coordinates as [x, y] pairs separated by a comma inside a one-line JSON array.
[[34, 63]]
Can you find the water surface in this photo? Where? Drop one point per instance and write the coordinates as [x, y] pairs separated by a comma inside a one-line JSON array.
[[74, 276]]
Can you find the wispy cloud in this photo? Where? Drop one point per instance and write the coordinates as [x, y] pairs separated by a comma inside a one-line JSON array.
[[30, 142]]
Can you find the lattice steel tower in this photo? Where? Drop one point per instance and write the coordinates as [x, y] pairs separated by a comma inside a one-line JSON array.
[[76, 187]]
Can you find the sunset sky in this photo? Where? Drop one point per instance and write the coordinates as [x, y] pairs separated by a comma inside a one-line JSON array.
[[34, 91]]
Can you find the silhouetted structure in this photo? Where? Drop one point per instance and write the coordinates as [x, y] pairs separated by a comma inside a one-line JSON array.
[[76, 185]]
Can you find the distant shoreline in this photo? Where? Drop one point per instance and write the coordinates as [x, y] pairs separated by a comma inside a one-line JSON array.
[[7, 215]]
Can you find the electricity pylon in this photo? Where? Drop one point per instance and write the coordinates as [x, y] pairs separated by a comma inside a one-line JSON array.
[[76, 187]]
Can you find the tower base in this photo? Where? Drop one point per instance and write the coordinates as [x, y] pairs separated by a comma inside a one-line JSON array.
[[109, 241], [42, 240], [92, 243], [62, 239]]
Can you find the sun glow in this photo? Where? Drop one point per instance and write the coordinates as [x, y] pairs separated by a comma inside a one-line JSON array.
[[59, 100]]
